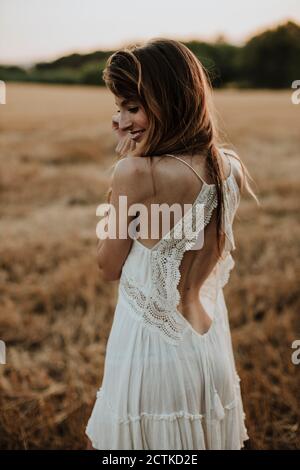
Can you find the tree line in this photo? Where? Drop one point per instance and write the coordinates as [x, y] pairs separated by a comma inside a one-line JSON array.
[[270, 59]]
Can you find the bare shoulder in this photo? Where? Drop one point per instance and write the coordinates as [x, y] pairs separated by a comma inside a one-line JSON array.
[[236, 166], [131, 177]]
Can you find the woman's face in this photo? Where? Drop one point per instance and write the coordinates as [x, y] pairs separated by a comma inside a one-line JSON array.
[[132, 118]]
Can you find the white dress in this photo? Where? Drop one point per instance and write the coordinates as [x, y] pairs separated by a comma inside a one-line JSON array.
[[166, 386]]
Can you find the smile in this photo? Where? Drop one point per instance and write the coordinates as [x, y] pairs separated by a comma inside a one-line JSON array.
[[136, 134]]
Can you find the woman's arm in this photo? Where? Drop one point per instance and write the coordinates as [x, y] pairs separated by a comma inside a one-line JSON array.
[[124, 145], [130, 181]]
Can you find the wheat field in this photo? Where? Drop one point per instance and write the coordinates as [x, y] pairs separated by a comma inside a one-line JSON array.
[[56, 150]]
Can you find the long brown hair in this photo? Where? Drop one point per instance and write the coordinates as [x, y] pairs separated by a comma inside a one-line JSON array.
[[175, 90]]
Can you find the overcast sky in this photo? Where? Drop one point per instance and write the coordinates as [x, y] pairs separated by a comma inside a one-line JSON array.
[[38, 30]]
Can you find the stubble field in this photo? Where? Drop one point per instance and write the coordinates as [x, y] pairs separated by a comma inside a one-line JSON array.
[[56, 150]]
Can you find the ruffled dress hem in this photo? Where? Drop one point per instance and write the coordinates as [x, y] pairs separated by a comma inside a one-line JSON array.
[[174, 431]]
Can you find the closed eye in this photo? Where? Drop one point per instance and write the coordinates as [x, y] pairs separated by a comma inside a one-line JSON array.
[[131, 110]]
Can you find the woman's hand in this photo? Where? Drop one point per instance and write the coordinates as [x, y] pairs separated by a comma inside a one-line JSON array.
[[125, 143]]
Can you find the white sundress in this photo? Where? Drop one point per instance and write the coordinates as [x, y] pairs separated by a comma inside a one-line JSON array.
[[166, 386]]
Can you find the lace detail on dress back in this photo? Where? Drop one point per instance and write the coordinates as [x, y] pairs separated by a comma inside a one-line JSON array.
[[158, 309]]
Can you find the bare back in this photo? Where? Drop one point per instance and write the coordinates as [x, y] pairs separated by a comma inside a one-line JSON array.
[[176, 182]]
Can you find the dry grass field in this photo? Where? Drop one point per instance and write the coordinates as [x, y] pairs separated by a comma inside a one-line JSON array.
[[56, 149]]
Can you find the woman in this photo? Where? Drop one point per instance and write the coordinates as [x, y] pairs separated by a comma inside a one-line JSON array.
[[169, 379]]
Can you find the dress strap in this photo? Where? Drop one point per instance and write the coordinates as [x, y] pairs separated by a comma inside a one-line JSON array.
[[177, 158], [226, 153]]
